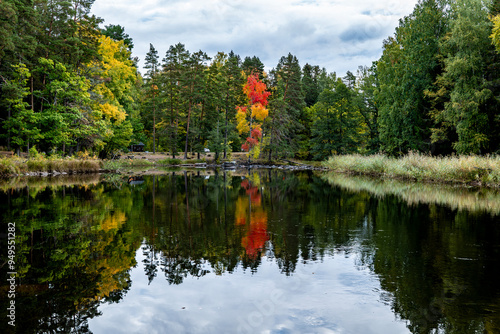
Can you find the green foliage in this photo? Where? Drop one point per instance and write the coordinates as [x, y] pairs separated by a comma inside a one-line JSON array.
[[68, 85], [338, 125], [408, 66], [464, 80], [287, 124], [171, 161], [117, 33]]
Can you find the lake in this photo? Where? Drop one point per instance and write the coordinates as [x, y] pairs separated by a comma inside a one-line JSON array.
[[266, 251]]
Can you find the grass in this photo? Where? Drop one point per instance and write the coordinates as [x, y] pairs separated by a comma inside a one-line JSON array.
[[170, 161], [175, 162], [124, 163], [15, 165], [477, 170]]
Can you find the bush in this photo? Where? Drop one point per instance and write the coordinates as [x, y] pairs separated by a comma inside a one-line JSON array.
[[8, 167], [170, 161]]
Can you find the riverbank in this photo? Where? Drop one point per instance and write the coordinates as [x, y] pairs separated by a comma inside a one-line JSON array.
[[50, 166], [468, 170]]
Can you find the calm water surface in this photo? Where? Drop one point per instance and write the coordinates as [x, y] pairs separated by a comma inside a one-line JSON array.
[[259, 252]]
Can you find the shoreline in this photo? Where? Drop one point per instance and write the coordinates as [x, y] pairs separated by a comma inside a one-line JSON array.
[[468, 171]]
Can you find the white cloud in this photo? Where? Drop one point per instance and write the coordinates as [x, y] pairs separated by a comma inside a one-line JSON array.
[[338, 35]]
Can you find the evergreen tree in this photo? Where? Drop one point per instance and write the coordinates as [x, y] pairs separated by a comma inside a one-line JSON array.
[[151, 88], [310, 85], [117, 32], [253, 65], [285, 125], [409, 66], [174, 106], [192, 88]]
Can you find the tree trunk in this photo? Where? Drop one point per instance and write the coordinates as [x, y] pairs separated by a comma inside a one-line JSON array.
[[154, 125], [187, 131], [8, 137]]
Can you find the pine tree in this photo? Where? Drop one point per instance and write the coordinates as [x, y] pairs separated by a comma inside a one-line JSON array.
[[151, 86], [409, 66], [173, 68], [285, 125]]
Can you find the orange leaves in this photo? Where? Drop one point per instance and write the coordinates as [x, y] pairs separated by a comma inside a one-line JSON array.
[[253, 219], [257, 95], [256, 90], [257, 132]]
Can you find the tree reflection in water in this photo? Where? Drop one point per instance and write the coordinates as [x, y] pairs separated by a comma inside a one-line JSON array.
[[437, 263]]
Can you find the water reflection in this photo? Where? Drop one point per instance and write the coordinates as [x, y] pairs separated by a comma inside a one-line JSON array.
[[294, 236]]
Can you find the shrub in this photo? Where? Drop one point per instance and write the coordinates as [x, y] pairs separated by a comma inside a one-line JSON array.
[[170, 161]]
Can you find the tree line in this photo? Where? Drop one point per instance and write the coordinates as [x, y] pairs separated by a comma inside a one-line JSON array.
[[68, 85]]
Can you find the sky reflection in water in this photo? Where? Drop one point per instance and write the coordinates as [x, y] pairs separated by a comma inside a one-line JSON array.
[[329, 296], [265, 252]]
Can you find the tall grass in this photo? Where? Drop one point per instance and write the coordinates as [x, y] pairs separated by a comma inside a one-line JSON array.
[[13, 166], [479, 170]]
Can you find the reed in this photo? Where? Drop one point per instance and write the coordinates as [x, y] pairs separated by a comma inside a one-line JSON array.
[[14, 166]]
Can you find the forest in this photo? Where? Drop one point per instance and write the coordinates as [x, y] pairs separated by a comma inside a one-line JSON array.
[[69, 84]]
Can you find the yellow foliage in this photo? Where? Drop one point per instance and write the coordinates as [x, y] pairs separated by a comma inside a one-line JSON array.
[[118, 76], [110, 111], [259, 111], [242, 124], [114, 221], [495, 36], [255, 151]]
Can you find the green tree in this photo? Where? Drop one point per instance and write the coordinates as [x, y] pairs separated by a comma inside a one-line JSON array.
[[171, 76], [365, 101], [285, 125], [117, 33], [193, 84], [66, 101], [338, 125], [409, 65], [310, 85], [151, 89], [469, 107], [253, 65], [22, 124]]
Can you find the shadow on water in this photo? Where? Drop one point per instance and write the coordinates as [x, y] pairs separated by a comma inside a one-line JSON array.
[[434, 250]]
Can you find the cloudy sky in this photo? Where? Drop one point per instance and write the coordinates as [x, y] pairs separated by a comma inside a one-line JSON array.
[[339, 35]]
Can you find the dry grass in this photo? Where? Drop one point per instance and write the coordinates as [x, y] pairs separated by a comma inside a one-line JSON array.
[[480, 170], [15, 165]]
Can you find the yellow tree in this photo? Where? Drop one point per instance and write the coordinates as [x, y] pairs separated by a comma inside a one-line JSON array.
[[116, 76]]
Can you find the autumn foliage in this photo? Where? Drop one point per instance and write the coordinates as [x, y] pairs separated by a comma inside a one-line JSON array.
[[248, 117], [253, 219]]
